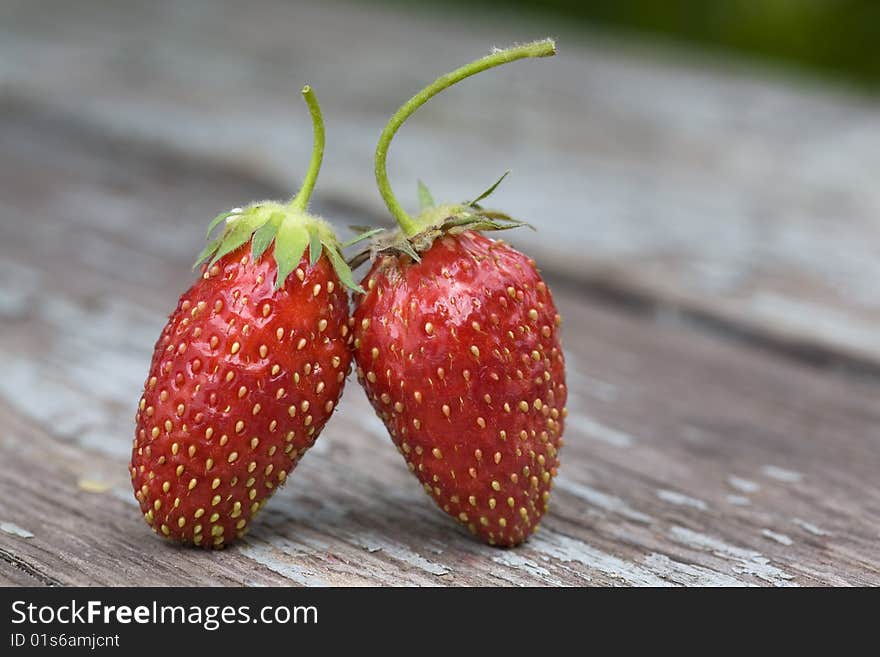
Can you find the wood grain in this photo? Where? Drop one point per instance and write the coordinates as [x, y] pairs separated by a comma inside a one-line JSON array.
[[690, 459], [715, 190]]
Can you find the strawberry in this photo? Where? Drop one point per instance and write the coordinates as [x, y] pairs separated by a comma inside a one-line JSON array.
[[457, 347], [459, 354], [247, 371]]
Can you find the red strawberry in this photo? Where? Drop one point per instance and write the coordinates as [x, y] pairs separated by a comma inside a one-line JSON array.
[[460, 357], [457, 347], [247, 371]]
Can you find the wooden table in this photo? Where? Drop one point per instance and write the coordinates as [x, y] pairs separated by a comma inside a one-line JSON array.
[[712, 237]]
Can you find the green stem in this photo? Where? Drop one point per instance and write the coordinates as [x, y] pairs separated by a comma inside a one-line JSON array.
[[410, 226], [301, 200]]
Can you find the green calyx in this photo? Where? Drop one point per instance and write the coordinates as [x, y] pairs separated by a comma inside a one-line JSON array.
[[434, 221], [290, 230], [288, 226], [417, 233]]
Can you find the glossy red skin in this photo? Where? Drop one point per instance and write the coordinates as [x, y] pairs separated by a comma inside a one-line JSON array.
[[490, 362], [269, 374]]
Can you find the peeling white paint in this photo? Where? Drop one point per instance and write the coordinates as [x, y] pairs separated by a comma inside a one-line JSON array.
[[515, 560], [109, 349], [810, 527], [567, 550], [687, 574], [820, 321], [282, 557], [744, 485], [775, 536], [738, 500], [602, 500], [366, 553], [63, 411], [746, 562], [590, 385], [781, 474], [374, 542], [679, 499], [601, 432], [14, 530], [17, 298]]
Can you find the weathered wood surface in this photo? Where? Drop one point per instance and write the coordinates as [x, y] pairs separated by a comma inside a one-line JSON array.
[[692, 456], [753, 200]]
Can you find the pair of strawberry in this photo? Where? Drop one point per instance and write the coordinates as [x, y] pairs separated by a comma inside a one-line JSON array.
[[455, 337]]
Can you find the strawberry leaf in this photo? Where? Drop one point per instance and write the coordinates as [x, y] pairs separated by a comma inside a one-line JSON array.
[[208, 251], [264, 235], [343, 270], [489, 191], [290, 243], [407, 248], [237, 233], [220, 217], [484, 221], [497, 214], [314, 246], [426, 201], [363, 236]]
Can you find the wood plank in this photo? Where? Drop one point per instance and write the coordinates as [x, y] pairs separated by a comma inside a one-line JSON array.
[[689, 459], [711, 187]]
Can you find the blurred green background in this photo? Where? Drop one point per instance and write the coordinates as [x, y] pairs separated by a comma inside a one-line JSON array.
[[832, 38]]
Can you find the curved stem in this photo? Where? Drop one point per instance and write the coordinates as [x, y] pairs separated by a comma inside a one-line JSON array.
[[301, 200], [410, 227]]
